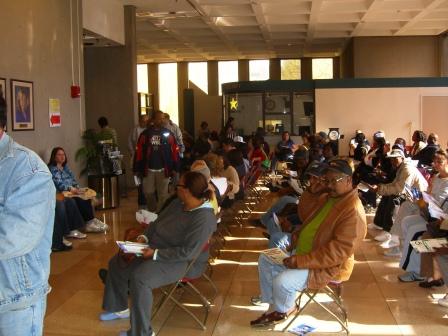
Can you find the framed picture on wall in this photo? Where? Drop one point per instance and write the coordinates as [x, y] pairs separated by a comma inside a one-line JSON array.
[[3, 97], [22, 105]]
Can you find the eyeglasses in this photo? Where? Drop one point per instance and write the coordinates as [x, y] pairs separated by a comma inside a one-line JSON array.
[[331, 181]]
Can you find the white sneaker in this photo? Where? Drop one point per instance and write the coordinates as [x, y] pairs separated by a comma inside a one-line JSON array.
[[100, 224], [76, 234], [91, 226], [373, 226], [393, 252], [66, 242], [394, 241], [382, 237], [443, 302]]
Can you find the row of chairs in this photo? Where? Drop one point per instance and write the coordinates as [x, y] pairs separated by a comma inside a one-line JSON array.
[[253, 185], [236, 214]]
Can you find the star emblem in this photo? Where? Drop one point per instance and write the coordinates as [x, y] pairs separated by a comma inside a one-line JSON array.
[[233, 104]]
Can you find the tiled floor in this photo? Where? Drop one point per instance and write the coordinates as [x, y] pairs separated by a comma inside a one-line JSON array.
[[377, 303]]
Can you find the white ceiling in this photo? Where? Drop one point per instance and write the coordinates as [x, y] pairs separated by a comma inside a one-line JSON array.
[[194, 30]]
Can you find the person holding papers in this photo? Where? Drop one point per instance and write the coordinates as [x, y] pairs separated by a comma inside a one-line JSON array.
[[79, 210], [407, 176], [413, 225], [322, 249], [175, 239]]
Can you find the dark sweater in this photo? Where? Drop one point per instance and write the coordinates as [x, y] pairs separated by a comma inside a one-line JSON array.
[[178, 235]]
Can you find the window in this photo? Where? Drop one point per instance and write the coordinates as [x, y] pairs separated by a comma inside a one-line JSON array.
[[168, 90], [197, 74], [142, 78], [322, 68], [227, 73], [290, 69], [258, 70]]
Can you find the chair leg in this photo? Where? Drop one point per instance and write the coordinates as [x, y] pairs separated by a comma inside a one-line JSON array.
[[300, 309]]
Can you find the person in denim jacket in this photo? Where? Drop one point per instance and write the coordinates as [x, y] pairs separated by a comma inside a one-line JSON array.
[[27, 207]]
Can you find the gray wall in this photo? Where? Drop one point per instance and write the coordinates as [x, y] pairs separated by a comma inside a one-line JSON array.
[[111, 85], [404, 56], [35, 46]]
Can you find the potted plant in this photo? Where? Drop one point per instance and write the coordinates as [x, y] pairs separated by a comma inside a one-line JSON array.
[[90, 153]]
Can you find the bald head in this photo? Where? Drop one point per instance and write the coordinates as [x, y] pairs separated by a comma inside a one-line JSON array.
[[433, 139]]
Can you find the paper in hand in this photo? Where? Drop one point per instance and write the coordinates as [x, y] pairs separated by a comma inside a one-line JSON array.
[[131, 247], [276, 255], [428, 245]]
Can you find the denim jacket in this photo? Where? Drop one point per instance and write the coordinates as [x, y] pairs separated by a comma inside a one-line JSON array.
[[63, 179], [27, 202]]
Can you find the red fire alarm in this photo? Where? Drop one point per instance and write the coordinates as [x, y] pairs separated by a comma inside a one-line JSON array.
[[75, 91]]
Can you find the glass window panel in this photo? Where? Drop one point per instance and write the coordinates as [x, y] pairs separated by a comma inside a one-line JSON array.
[[227, 73], [258, 70], [303, 113], [168, 90], [246, 108], [142, 78], [197, 74], [322, 68], [290, 69]]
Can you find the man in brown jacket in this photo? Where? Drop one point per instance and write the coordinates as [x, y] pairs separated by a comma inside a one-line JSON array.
[[322, 249]]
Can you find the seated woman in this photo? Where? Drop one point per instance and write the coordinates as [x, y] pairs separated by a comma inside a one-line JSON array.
[[410, 225], [64, 180], [257, 153], [175, 239], [233, 180]]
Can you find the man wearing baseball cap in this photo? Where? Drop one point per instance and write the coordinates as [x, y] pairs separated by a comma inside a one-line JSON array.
[[322, 250], [406, 176]]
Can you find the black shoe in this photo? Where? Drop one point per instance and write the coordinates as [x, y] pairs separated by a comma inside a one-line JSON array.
[[432, 283], [63, 248], [102, 273]]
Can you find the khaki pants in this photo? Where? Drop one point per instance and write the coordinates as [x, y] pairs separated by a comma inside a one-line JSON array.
[[156, 182]]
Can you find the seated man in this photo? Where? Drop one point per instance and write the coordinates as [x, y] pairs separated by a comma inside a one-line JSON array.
[[323, 250]]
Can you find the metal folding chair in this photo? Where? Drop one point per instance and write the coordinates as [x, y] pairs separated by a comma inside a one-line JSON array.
[[333, 290], [186, 283]]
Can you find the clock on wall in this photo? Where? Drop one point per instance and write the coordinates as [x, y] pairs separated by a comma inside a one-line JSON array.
[[333, 135]]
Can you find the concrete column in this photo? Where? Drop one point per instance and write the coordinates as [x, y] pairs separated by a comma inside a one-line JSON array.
[[111, 85], [306, 68], [275, 71], [443, 55], [213, 78], [153, 83], [182, 83], [336, 68], [243, 70]]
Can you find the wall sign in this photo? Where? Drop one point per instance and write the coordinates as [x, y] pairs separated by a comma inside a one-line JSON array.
[[54, 111]]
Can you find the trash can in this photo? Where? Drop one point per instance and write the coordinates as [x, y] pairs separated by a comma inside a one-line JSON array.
[[107, 188]]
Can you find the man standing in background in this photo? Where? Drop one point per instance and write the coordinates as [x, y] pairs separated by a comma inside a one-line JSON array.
[[132, 145], [156, 160], [27, 206]]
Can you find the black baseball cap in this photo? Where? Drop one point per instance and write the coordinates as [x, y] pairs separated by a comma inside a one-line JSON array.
[[316, 168], [340, 166]]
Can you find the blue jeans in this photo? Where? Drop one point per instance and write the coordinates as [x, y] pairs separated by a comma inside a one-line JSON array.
[[279, 284], [268, 220], [24, 322], [280, 240]]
